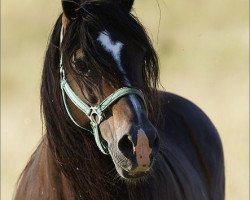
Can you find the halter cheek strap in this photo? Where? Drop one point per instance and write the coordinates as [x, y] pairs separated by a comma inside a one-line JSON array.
[[94, 113]]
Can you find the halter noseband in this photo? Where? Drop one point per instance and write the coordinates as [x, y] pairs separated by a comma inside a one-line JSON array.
[[94, 113]]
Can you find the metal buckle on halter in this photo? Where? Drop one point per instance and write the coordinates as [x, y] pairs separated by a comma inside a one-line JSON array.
[[62, 73], [95, 116]]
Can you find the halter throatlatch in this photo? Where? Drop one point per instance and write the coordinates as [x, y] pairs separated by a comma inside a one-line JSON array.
[[94, 113]]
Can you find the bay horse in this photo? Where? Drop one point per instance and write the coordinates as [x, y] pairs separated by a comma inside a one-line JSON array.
[[109, 132]]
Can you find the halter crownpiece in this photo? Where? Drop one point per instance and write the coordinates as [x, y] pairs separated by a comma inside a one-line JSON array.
[[94, 113]]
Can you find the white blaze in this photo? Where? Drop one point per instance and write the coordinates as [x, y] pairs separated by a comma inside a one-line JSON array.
[[115, 48]]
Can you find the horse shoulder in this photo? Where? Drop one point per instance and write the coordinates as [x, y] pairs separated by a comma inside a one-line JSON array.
[[190, 128], [41, 178]]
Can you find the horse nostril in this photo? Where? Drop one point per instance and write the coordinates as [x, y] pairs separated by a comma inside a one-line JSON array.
[[126, 146]]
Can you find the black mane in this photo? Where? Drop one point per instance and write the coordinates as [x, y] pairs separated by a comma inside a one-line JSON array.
[[65, 140]]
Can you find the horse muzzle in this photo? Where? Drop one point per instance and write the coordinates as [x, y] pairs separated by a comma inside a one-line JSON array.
[[138, 149]]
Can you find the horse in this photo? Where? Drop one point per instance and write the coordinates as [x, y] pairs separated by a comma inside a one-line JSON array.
[[109, 132]]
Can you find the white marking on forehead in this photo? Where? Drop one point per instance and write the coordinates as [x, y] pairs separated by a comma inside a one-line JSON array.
[[110, 46]]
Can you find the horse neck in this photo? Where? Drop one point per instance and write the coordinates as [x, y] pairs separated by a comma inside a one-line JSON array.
[[89, 173], [41, 178]]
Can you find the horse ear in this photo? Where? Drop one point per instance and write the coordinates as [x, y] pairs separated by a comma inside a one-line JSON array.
[[127, 4], [69, 8]]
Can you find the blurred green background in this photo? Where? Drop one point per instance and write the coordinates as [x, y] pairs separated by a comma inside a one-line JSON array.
[[204, 52]]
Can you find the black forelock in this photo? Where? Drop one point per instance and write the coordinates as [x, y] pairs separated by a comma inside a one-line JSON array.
[[99, 16]]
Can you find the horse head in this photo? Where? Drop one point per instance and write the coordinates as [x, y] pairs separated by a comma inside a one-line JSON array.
[[108, 73]]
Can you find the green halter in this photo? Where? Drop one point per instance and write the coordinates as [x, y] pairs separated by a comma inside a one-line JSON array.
[[94, 113]]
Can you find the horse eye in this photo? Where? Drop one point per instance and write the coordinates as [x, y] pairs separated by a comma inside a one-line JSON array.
[[79, 64], [81, 68]]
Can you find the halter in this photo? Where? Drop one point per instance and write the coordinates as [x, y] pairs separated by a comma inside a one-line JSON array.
[[94, 113]]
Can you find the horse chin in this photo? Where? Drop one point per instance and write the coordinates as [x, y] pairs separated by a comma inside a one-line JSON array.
[[130, 176], [126, 167], [133, 176]]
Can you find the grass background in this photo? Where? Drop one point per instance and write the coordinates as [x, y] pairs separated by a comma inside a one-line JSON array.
[[203, 48]]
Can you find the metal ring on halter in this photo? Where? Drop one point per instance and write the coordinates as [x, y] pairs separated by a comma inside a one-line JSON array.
[[95, 116]]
